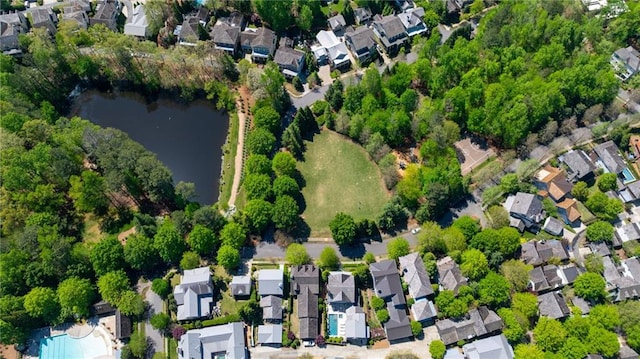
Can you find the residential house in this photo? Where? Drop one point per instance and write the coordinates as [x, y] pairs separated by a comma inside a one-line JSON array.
[[622, 282], [11, 26], [549, 277], [626, 233], [594, 5], [332, 49], [609, 157], [627, 353], [362, 43], [290, 61], [478, 322], [107, 12], [77, 5], [412, 21], [271, 308], [495, 347], [630, 193], [552, 182], [235, 19], [625, 62], [416, 276], [404, 5], [449, 274], [362, 15], [270, 335], [553, 305], [137, 23], [337, 23], [424, 311], [259, 43], [341, 289], [188, 32], [305, 285], [123, 327], [553, 226], [240, 286], [270, 282], [43, 17], [391, 33], [568, 211], [194, 294], [599, 248], [221, 341], [454, 6], [579, 166], [356, 329], [79, 17], [226, 37], [387, 285], [540, 252], [525, 207], [581, 304]]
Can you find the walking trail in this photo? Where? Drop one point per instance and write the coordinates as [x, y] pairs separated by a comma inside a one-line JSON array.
[[243, 104]]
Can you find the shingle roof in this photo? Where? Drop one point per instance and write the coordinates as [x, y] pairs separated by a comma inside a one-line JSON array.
[[270, 334], [540, 252], [629, 56], [336, 22], [286, 56], [386, 281], [398, 326], [415, 275], [271, 307], [240, 285], [308, 328], [553, 305], [307, 304], [203, 343], [341, 288], [270, 281], [579, 165], [392, 27], [306, 275], [553, 226], [362, 13], [423, 310], [222, 33], [360, 39], [449, 274], [194, 294], [479, 322], [356, 324], [526, 204], [627, 353], [495, 347], [610, 155]]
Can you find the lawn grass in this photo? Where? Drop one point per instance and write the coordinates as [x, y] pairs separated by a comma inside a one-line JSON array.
[[229, 305], [92, 232], [229, 149], [585, 215], [339, 178]]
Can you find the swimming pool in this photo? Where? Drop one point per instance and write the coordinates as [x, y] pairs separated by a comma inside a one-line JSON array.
[[628, 176], [65, 347], [333, 325]]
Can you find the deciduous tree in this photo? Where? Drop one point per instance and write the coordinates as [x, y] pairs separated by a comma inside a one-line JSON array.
[[607, 182], [600, 231], [112, 285], [343, 229], [131, 303], [140, 253], [257, 186], [284, 164], [43, 303], [474, 264], [517, 273], [296, 254], [228, 257], [202, 240], [493, 290], [168, 242], [258, 214], [234, 235], [75, 296], [329, 260], [398, 247], [590, 286], [285, 213], [107, 255], [549, 334], [189, 260]]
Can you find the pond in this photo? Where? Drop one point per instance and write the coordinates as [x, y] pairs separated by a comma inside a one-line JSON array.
[[188, 139]]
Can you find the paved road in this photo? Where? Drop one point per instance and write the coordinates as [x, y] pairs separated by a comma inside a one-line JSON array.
[[156, 305], [311, 97]]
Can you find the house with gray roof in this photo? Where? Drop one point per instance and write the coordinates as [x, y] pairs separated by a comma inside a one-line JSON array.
[[610, 157], [259, 43], [271, 308], [355, 328], [540, 252], [553, 305], [631, 193], [80, 17], [194, 294], [188, 32], [43, 17], [240, 286], [270, 282], [386, 282], [398, 327], [424, 311], [627, 232], [582, 304], [553, 226], [77, 5], [137, 23], [107, 12], [362, 15], [341, 288], [11, 26], [449, 274], [627, 353], [526, 207], [225, 37], [235, 19], [478, 322], [415, 275], [270, 335], [361, 42], [290, 61], [623, 282], [495, 347], [391, 32], [579, 166], [550, 277], [305, 285], [226, 341], [625, 62], [412, 21], [336, 23]]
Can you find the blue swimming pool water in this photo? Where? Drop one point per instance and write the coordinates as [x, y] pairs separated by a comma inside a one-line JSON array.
[[333, 325], [628, 176], [65, 347]]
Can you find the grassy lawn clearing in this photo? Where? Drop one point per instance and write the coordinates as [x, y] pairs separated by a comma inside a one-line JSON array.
[[229, 150], [339, 178]]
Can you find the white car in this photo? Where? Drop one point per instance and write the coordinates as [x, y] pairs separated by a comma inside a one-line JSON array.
[[416, 230], [308, 343]]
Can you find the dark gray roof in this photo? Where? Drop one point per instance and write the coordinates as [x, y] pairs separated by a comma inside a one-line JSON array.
[[189, 29], [44, 17], [386, 281], [449, 274], [479, 322], [553, 305], [362, 13], [540, 252], [306, 275], [271, 307], [336, 22], [415, 275], [360, 39], [398, 326], [286, 56], [225, 34], [600, 248], [526, 204], [629, 56], [610, 155], [235, 19], [630, 192], [307, 304], [341, 288], [579, 165], [106, 10], [264, 38], [308, 328], [391, 27], [582, 304], [495, 347]]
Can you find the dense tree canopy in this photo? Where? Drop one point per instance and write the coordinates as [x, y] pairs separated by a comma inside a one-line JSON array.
[[600, 231], [296, 254], [590, 286], [228, 257], [140, 253], [285, 213], [343, 229], [398, 247], [75, 295], [202, 240], [107, 256], [168, 242]]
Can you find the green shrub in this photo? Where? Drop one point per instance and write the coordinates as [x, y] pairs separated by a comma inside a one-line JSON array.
[[383, 315], [377, 303]]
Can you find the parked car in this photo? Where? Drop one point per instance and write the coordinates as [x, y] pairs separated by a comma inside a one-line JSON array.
[[308, 343], [416, 230]]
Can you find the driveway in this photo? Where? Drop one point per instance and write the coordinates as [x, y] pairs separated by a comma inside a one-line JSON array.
[[309, 98], [156, 305]]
